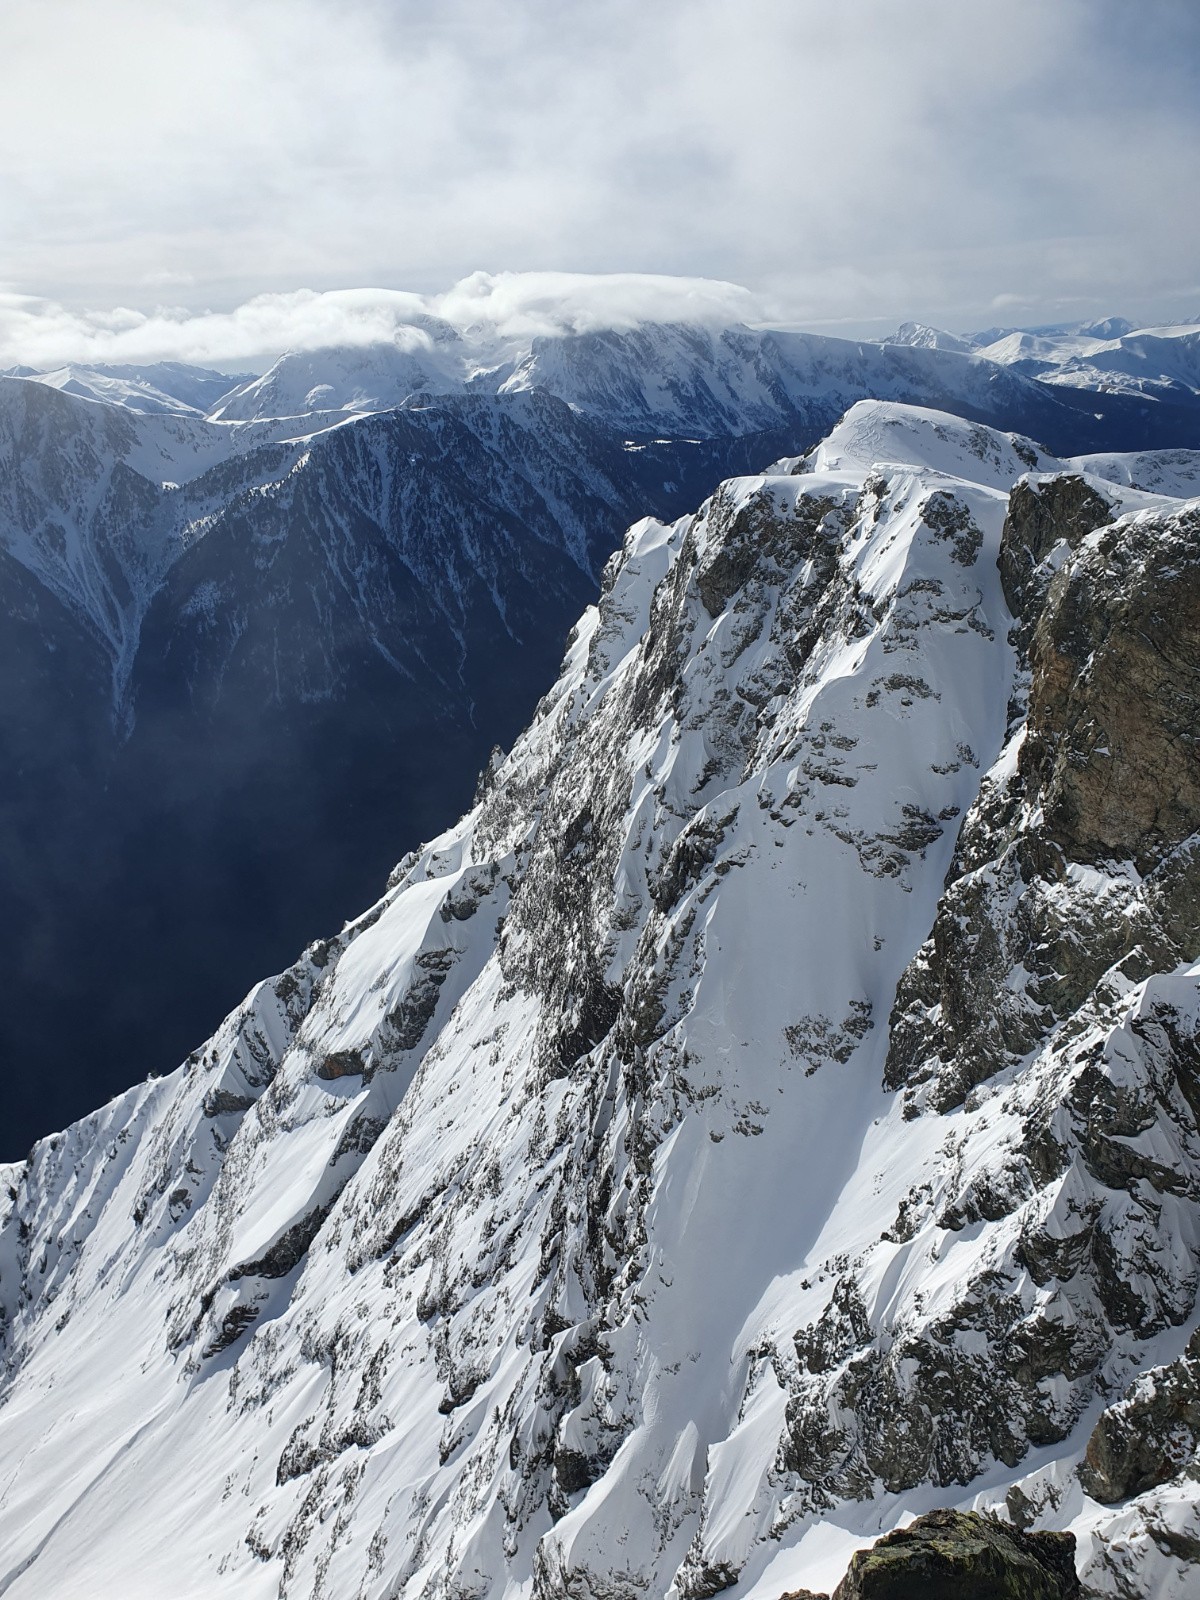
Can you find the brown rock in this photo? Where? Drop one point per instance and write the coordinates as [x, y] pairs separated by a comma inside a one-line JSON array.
[[1040, 513], [1114, 716]]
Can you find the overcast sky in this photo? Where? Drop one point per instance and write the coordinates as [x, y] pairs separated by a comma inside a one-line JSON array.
[[851, 162]]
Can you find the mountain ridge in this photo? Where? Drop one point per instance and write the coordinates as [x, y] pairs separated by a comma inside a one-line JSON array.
[[293, 611], [576, 1220]]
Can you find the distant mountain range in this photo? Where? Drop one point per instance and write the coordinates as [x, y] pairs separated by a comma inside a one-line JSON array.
[[1110, 356], [262, 631]]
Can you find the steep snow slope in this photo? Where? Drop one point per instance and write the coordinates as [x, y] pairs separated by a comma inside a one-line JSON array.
[[552, 1229]]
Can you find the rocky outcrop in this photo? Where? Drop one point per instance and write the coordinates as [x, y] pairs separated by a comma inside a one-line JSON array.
[[1043, 513], [1149, 1436], [1104, 770], [1113, 746], [952, 1555]]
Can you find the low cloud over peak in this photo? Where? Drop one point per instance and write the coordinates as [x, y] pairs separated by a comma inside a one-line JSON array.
[[511, 305]]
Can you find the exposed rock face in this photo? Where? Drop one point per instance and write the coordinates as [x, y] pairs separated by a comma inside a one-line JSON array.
[[1107, 770], [954, 1555], [1043, 513], [949, 1555], [1113, 747], [1148, 1437]]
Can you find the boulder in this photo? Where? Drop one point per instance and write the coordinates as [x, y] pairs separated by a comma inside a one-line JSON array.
[[949, 1555]]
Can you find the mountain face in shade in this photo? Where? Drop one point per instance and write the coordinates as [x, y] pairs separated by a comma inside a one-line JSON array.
[[244, 663], [265, 632], [769, 1113]]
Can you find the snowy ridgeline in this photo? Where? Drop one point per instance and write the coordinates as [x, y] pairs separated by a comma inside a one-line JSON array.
[[101, 495], [674, 373], [1107, 356], [624, 1206]]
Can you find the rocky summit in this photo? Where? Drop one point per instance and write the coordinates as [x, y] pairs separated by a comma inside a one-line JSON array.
[[769, 1115]]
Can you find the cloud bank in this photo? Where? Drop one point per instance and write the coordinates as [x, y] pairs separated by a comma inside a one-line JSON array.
[[870, 160], [510, 306]]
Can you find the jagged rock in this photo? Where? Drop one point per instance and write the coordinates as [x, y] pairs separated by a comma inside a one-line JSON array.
[[1149, 1436], [232, 1326], [1041, 513], [952, 520], [341, 1064], [221, 1102], [1111, 758], [287, 1251]]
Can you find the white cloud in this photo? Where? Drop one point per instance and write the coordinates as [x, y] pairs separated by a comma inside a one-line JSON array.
[[876, 158], [42, 333], [522, 304]]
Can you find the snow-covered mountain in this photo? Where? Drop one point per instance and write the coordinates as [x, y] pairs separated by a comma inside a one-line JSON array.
[[922, 337], [267, 630], [710, 382], [771, 1111], [1110, 356], [161, 386], [372, 377], [99, 500], [1157, 362]]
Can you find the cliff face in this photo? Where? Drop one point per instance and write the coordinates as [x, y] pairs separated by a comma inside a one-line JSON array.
[[771, 1110], [1058, 989], [1113, 732]]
